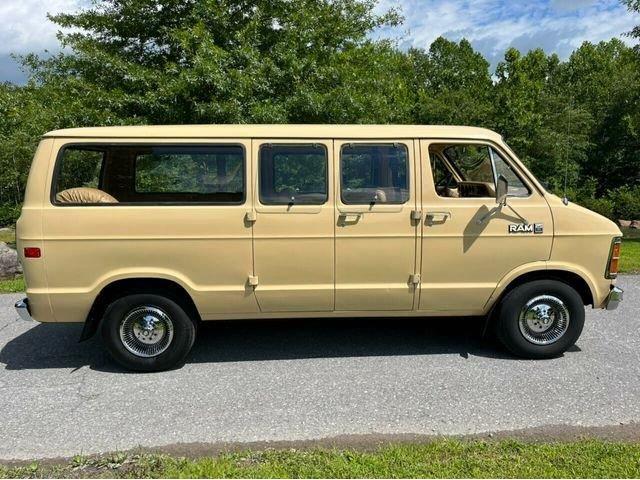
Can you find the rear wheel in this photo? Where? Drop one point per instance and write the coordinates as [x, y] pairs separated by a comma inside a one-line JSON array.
[[147, 332], [540, 319]]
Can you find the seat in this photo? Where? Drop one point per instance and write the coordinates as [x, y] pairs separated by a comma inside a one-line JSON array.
[[84, 195]]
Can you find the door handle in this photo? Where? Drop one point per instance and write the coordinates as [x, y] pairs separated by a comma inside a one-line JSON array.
[[437, 218], [349, 217]]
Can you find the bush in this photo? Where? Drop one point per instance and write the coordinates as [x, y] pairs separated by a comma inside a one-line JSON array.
[[9, 213], [626, 202]]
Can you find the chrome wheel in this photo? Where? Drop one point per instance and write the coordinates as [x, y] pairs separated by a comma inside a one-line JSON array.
[[544, 320], [146, 331]]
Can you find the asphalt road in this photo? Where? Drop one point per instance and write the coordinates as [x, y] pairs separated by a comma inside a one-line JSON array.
[[297, 380]]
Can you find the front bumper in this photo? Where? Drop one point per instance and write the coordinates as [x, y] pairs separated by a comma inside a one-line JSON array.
[[22, 307], [614, 298]]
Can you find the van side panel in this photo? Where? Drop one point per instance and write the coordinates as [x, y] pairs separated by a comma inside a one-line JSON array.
[[207, 249], [29, 234]]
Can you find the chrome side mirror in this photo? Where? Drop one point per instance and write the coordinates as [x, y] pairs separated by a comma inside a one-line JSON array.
[[502, 190]]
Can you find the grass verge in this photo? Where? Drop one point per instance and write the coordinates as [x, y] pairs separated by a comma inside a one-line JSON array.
[[446, 458], [630, 255], [14, 285]]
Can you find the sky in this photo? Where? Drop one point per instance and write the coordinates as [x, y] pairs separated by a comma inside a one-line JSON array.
[[491, 26]]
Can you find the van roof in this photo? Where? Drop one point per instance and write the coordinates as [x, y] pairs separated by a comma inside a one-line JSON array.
[[279, 131]]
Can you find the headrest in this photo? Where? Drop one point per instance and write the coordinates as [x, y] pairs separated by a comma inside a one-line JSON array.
[[84, 195]]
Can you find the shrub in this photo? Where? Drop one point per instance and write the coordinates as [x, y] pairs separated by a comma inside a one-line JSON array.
[[626, 202], [9, 213]]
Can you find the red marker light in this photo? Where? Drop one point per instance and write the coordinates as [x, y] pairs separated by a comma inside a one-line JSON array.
[[32, 252]]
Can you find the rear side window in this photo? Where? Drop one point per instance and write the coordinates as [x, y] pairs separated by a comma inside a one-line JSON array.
[[189, 170], [80, 167], [293, 174], [150, 174], [374, 174]]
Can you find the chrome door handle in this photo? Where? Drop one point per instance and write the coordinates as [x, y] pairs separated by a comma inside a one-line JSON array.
[[435, 218]]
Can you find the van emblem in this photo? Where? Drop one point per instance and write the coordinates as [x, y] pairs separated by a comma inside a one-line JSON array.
[[536, 228]]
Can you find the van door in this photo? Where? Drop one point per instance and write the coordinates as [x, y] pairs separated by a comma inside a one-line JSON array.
[[375, 234], [468, 243], [293, 233]]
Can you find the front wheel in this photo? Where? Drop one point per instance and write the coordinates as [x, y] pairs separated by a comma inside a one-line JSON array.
[[540, 319], [147, 332]]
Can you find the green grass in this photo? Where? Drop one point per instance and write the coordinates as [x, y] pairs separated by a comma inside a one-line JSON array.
[[13, 285], [445, 458], [630, 255]]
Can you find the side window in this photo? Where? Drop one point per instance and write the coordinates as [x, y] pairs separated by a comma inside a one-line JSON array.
[[517, 188], [150, 174], [293, 174], [374, 174], [477, 166], [81, 168], [472, 161], [191, 170]]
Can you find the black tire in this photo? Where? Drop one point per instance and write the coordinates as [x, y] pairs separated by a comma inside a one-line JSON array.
[[172, 348], [514, 336]]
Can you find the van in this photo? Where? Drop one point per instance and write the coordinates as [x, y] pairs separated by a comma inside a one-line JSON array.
[[145, 232]]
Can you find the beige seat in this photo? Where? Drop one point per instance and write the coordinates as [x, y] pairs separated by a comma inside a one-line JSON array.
[[84, 195]]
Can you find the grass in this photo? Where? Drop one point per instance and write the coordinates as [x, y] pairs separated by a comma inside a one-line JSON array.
[[13, 285], [439, 459], [630, 256]]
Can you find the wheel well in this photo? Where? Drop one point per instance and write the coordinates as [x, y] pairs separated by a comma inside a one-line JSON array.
[[572, 279], [130, 286]]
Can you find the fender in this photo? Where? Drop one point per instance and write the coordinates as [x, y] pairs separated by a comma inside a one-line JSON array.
[[540, 266]]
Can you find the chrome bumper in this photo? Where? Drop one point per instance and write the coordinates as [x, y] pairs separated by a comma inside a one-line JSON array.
[[22, 307], [614, 298]]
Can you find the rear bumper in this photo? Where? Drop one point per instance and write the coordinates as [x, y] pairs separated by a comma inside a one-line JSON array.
[[614, 298], [22, 307]]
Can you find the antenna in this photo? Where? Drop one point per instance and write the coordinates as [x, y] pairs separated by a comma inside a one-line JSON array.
[[565, 200]]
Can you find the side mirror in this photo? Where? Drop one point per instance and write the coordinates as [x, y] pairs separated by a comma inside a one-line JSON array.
[[502, 190]]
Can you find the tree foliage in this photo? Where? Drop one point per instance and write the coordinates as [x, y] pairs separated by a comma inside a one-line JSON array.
[[314, 61]]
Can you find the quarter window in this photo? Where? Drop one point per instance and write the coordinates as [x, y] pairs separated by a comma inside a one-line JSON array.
[[374, 174], [293, 174]]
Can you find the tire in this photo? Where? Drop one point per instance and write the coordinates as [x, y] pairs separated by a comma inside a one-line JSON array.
[[147, 333], [540, 319]]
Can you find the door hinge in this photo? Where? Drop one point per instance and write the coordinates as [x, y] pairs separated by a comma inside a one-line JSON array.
[[253, 281], [415, 279], [416, 215], [251, 216]]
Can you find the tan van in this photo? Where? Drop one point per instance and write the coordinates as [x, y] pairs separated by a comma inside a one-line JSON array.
[[144, 232]]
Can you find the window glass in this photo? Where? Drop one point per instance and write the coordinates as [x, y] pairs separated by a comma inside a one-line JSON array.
[[474, 166], [151, 174], [472, 161], [293, 174], [516, 186], [199, 170], [374, 174], [81, 167]]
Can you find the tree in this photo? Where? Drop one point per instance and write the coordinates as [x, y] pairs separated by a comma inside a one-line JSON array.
[[229, 61], [452, 84], [604, 79]]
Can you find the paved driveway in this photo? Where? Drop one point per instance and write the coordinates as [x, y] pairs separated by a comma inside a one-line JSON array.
[[295, 380]]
